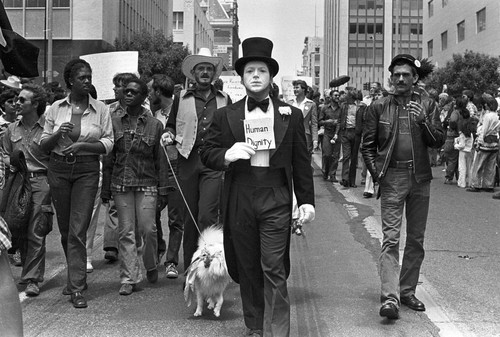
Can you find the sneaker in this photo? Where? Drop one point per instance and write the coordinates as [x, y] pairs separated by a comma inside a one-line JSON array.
[[90, 268], [172, 271], [152, 275], [32, 289], [126, 289], [111, 255], [16, 258]]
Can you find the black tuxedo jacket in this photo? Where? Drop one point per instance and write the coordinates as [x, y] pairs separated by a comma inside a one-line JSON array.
[[290, 154]]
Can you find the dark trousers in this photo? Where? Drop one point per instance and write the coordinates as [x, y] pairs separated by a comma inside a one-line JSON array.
[[329, 156], [399, 191], [350, 147], [175, 227], [259, 220], [74, 187], [201, 187]]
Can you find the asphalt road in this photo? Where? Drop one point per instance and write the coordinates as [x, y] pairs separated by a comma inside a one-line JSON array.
[[334, 286]]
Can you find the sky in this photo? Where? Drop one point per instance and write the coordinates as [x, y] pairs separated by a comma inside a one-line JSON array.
[[286, 23]]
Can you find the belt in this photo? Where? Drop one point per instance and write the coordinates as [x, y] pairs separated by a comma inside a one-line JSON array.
[[405, 164], [37, 174], [75, 159]]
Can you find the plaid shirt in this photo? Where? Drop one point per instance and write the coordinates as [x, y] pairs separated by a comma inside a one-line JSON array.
[[5, 243]]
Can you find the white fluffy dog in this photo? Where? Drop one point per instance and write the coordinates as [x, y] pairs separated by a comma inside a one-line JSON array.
[[207, 276]]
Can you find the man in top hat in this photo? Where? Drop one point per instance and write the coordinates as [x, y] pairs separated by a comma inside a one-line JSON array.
[[187, 125], [261, 145], [398, 130]]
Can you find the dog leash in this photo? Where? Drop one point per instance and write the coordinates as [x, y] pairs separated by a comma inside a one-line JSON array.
[[182, 194]]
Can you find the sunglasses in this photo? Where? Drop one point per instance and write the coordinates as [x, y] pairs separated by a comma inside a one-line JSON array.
[[131, 91], [21, 100]]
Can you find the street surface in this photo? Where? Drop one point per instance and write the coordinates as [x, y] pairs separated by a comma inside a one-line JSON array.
[[334, 285]]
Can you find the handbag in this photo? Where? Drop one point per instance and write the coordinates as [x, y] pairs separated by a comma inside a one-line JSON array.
[[16, 202]]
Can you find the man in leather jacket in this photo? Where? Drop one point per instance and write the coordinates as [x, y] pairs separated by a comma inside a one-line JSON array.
[[398, 130]]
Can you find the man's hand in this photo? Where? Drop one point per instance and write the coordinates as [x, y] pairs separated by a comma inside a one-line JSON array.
[[417, 111], [307, 213], [239, 151], [167, 138]]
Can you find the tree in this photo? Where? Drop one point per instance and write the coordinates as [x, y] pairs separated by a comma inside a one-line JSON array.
[[157, 53], [474, 71]]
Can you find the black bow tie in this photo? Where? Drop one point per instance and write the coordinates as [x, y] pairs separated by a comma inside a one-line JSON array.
[[263, 105]]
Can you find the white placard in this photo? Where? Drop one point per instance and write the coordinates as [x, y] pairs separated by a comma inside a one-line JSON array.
[[259, 133], [233, 87], [106, 65]]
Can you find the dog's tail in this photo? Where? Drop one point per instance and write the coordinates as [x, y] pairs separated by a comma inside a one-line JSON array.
[[211, 235]]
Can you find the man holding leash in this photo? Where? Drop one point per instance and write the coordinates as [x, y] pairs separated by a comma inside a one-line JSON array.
[[261, 145], [398, 130], [191, 115]]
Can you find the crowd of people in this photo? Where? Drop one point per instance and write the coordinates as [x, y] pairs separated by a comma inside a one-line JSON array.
[[158, 145]]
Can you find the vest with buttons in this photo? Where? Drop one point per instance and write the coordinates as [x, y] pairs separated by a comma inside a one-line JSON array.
[[187, 121]]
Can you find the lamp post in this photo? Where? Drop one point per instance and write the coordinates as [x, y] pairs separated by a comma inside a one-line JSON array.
[[204, 30]]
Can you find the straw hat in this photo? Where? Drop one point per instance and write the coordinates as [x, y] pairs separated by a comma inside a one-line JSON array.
[[203, 56], [12, 82]]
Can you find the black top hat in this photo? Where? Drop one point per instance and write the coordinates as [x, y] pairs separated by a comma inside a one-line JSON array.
[[257, 49]]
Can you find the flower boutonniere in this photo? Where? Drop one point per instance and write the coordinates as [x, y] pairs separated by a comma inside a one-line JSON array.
[[284, 111]]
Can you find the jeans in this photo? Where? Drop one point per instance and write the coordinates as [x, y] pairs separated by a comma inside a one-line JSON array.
[[483, 169], [93, 222], [74, 188], [175, 227], [201, 187], [399, 190], [330, 156], [33, 251], [130, 206], [110, 236]]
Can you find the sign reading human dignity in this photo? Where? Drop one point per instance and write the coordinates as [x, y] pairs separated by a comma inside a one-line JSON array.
[[259, 133]]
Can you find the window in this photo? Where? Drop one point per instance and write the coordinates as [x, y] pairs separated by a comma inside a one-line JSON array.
[[178, 20], [35, 3], [430, 6], [60, 3], [461, 31], [353, 28], [444, 40], [370, 4], [13, 3], [430, 48], [481, 20]]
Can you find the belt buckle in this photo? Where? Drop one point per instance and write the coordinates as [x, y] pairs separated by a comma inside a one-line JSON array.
[[70, 158]]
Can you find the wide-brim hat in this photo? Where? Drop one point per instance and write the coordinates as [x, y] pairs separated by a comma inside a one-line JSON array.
[[203, 56], [12, 82], [257, 49]]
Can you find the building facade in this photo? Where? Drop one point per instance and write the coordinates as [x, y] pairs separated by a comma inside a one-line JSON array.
[[311, 59], [362, 36], [209, 24], [453, 27], [82, 27]]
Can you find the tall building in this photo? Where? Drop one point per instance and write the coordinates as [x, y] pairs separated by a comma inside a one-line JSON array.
[[362, 36], [209, 24], [311, 59], [453, 27], [85, 26]]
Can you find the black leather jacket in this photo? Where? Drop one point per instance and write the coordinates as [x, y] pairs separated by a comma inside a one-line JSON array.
[[380, 132]]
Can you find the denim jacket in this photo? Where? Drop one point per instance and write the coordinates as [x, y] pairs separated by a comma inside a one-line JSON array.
[[137, 158]]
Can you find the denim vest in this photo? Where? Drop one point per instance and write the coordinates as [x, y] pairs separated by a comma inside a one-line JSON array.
[[187, 121]]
